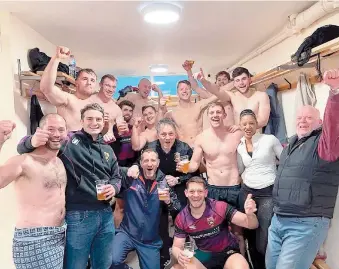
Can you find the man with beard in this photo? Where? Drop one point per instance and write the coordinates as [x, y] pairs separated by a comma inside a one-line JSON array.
[[40, 181], [141, 137], [140, 98], [87, 159], [187, 115], [123, 150], [68, 105], [221, 161], [222, 78], [243, 97], [139, 229], [108, 85], [205, 221]]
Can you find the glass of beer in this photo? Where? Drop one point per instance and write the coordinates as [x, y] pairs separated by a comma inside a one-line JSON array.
[[185, 163], [189, 250], [100, 184], [162, 190]]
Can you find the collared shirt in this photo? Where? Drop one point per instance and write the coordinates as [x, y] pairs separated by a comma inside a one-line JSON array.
[[259, 171]]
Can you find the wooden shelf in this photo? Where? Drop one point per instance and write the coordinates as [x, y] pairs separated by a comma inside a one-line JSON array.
[[324, 51]]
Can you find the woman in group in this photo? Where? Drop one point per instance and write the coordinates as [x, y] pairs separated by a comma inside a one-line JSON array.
[[258, 154]]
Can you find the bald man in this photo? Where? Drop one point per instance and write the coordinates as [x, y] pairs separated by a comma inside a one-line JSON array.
[[40, 181], [140, 98], [306, 185]]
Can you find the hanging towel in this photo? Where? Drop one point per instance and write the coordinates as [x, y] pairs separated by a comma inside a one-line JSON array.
[[36, 113], [305, 95], [276, 122]]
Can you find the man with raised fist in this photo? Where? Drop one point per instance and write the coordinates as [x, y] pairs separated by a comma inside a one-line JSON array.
[[306, 185]]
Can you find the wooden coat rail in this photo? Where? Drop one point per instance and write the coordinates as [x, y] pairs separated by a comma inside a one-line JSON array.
[[327, 49]]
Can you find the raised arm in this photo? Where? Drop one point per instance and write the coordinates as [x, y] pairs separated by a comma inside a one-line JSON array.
[[11, 170], [187, 65], [197, 156], [54, 95], [138, 139], [328, 146], [214, 88], [6, 129], [264, 110]]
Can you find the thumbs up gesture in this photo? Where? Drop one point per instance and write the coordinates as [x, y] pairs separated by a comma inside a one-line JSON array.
[[250, 205]]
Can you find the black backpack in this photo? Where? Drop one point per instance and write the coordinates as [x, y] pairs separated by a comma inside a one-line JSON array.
[[38, 61], [320, 36]]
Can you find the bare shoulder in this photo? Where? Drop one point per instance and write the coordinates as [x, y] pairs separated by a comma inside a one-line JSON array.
[[237, 134], [202, 136], [261, 94]]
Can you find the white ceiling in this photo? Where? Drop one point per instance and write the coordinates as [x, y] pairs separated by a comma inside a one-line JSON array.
[[111, 37]]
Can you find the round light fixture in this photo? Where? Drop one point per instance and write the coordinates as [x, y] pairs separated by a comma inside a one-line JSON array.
[[158, 68], [161, 13], [160, 82]]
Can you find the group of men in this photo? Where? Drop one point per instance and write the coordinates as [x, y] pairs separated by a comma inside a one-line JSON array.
[[134, 146]]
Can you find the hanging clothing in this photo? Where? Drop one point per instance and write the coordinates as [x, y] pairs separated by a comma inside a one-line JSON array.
[[276, 122], [36, 114]]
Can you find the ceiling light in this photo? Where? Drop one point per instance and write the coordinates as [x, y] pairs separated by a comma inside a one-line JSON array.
[[159, 68], [161, 13]]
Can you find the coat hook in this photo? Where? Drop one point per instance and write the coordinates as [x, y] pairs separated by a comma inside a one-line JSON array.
[[289, 83]]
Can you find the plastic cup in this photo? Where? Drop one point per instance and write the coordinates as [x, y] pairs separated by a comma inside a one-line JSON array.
[[100, 184]]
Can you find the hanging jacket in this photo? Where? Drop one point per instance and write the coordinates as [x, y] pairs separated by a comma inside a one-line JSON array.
[[36, 114], [276, 122], [85, 161]]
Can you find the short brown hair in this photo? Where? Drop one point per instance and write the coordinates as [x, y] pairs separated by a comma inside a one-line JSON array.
[[43, 120], [148, 150], [223, 73], [196, 179], [93, 106], [185, 81], [148, 106], [239, 71], [86, 70], [216, 103], [109, 76], [126, 103]]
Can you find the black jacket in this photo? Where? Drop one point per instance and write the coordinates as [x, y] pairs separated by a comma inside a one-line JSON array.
[[85, 161], [36, 113]]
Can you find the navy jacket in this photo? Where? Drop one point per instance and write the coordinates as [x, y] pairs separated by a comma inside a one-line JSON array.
[[142, 207]]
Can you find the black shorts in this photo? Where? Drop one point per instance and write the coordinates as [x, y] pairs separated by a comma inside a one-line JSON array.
[[215, 260], [228, 194]]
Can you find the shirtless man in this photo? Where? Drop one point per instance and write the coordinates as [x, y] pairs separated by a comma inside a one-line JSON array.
[[188, 115], [140, 98], [221, 159], [68, 105], [139, 137], [40, 181], [222, 78], [243, 97], [108, 85]]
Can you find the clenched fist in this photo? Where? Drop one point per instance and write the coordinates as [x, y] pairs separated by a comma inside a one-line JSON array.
[[62, 52], [250, 205], [331, 78], [6, 128]]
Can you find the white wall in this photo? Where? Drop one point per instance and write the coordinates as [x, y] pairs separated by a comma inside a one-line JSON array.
[[16, 39], [280, 54]]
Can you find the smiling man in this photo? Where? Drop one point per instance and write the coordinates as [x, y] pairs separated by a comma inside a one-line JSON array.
[[205, 222], [141, 137], [90, 228], [104, 97], [244, 97], [306, 186], [139, 229], [39, 181]]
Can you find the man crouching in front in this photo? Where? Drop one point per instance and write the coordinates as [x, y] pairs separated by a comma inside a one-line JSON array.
[[205, 221]]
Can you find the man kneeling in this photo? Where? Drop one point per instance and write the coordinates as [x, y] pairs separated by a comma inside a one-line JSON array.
[[206, 222], [139, 229]]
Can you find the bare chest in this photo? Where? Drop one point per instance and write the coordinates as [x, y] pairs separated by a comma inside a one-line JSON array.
[[215, 148], [186, 116], [240, 103], [46, 174]]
